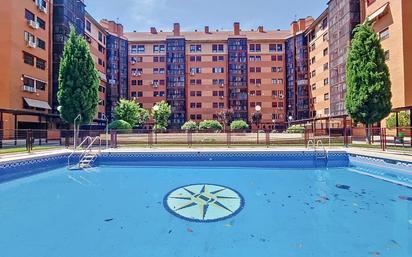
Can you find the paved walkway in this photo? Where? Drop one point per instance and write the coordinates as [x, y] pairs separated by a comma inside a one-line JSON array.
[[402, 156]]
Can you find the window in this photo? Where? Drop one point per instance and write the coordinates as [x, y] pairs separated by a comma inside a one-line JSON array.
[[325, 66], [384, 34], [40, 63], [272, 47], [140, 49], [279, 47], [29, 15], [218, 58], [218, 70], [325, 51], [28, 82], [218, 48], [28, 37], [195, 58], [258, 69], [28, 59], [325, 37], [134, 82], [101, 48], [100, 36], [280, 57], [195, 70], [102, 89], [326, 96], [88, 26], [41, 44], [314, 87], [140, 82], [313, 60], [326, 81], [40, 85], [42, 23], [195, 48]]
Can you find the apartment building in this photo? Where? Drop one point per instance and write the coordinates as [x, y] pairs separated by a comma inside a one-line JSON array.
[[95, 35], [390, 21], [297, 77], [66, 13], [344, 15], [202, 73], [24, 67], [116, 65], [318, 44]]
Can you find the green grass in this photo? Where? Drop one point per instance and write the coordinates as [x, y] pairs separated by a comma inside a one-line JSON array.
[[23, 149]]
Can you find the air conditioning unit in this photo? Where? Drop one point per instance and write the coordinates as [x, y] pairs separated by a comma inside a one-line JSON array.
[[42, 8], [192, 73], [221, 97], [29, 89], [33, 24], [222, 85], [31, 44], [155, 84]]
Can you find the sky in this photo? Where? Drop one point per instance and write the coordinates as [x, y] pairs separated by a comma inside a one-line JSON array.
[[140, 15]]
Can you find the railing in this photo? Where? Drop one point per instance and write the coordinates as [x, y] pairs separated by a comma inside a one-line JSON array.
[[75, 149], [382, 138]]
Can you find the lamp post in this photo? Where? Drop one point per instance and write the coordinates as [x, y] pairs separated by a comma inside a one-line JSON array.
[[274, 124], [155, 109], [290, 119], [256, 119]]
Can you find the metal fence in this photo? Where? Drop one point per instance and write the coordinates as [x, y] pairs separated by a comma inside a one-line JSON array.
[[382, 138]]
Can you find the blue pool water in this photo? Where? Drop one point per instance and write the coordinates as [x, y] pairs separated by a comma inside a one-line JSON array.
[[120, 212]]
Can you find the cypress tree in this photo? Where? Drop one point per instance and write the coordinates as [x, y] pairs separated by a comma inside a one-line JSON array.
[[368, 97], [78, 81]]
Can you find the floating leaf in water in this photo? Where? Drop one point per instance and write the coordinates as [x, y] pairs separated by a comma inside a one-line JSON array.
[[375, 253], [190, 230], [346, 187], [404, 197]]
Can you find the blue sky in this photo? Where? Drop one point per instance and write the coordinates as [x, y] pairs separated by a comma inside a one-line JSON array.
[[140, 15]]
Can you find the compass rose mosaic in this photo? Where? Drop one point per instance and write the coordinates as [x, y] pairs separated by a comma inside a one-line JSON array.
[[204, 202]]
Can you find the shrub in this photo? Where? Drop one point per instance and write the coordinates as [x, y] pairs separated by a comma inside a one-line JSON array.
[[120, 125], [210, 125], [403, 119], [239, 125], [189, 126], [296, 129]]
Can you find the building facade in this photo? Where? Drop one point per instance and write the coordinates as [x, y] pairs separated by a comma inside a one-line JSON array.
[[319, 90], [344, 15], [203, 73], [25, 55], [116, 65], [390, 19], [297, 77], [96, 35]]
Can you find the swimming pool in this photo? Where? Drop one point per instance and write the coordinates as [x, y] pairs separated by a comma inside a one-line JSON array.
[[209, 205]]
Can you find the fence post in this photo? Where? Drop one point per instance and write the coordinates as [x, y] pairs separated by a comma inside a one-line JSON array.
[[29, 141], [228, 138], [113, 139], [306, 137], [189, 138], [267, 139]]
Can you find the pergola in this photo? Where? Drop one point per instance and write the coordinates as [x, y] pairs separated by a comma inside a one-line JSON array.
[[15, 113]]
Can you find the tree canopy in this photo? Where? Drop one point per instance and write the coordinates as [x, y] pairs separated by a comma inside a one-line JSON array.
[[368, 97], [161, 113], [78, 81], [131, 112]]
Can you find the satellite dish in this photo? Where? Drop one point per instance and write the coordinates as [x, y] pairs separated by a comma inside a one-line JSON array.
[[258, 108]]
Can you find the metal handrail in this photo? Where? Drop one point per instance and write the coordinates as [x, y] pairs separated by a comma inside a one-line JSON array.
[[320, 143], [74, 150], [313, 143], [89, 147]]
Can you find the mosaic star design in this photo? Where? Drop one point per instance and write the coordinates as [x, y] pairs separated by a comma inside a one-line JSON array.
[[204, 202]]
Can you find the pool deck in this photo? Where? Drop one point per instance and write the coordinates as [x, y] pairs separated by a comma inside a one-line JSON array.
[[400, 156]]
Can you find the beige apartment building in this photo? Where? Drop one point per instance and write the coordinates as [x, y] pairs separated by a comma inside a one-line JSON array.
[[318, 44]]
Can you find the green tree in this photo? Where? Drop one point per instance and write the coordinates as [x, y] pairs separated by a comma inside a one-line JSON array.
[[78, 81], [189, 126], [225, 117], [403, 119], [131, 112], [161, 113], [210, 125], [239, 125], [120, 124], [368, 97]]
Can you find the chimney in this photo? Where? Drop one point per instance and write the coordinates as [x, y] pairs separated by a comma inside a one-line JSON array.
[[176, 29], [294, 27], [207, 30], [260, 29], [236, 28], [302, 24], [153, 30]]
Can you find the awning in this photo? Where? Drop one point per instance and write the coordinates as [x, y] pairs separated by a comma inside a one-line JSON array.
[[378, 12], [37, 103]]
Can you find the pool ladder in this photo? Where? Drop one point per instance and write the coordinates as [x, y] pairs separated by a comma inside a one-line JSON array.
[[88, 156], [319, 155]]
